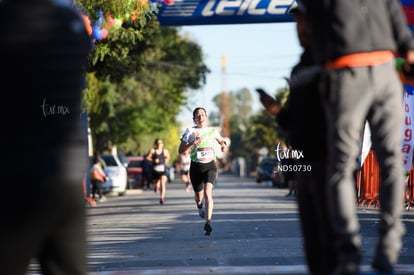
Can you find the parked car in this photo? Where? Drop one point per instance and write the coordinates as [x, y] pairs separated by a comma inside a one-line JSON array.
[[265, 172], [116, 173], [134, 171]]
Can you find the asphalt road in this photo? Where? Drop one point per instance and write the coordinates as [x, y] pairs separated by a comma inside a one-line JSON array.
[[255, 231]]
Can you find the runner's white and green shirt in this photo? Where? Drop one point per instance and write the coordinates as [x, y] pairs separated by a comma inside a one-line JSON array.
[[203, 152]]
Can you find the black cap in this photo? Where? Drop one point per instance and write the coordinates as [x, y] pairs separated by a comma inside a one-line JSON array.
[[296, 7]]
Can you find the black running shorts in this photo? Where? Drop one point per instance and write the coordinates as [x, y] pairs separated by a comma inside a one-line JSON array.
[[201, 173]]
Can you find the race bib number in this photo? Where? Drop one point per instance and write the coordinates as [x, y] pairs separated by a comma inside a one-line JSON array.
[[205, 154]]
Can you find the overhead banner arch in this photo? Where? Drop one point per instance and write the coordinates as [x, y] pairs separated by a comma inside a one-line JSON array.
[[217, 12]]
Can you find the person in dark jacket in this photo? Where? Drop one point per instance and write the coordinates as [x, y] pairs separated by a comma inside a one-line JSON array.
[[302, 117], [44, 51], [147, 173], [355, 42]]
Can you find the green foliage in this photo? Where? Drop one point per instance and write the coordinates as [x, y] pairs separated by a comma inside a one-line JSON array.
[[251, 132], [138, 78], [117, 8], [262, 132]]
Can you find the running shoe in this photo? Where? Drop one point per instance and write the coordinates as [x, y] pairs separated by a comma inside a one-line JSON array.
[[201, 211], [103, 199], [188, 187], [207, 229]]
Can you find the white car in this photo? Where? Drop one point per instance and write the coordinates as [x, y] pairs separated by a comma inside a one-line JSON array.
[[116, 173]]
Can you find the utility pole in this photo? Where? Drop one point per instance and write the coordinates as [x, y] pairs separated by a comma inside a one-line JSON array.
[[225, 112], [225, 108]]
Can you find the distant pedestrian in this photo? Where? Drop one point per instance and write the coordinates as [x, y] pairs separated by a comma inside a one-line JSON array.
[[184, 166], [201, 140], [98, 177], [159, 156], [290, 176], [147, 173]]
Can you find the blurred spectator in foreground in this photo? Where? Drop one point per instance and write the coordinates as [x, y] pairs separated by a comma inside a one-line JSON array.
[[360, 83], [43, 52], [300, 115]]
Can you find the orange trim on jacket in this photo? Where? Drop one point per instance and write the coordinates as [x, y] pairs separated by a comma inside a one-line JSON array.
[[361, 59]]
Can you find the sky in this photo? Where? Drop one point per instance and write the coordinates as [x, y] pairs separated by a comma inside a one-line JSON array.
[[257, 55]]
